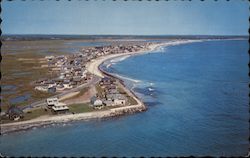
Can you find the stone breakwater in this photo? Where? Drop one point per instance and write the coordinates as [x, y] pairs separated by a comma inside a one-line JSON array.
[[51, 120], [127, 110]]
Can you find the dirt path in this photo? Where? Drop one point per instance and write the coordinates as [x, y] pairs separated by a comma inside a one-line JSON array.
[[85, 98]]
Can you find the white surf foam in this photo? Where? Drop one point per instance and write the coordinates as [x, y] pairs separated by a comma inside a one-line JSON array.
[[118, 59], [127, 78], [108, 65], [150, 89]]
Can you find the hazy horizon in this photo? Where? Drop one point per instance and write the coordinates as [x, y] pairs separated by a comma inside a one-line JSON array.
[[118, 35]]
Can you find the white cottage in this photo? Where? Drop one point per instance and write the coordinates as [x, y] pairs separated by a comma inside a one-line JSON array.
[[95, 101], [52, 101], [117, 99], [59, 108]]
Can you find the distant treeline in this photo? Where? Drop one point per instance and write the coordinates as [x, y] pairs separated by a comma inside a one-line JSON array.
[[98, 37]]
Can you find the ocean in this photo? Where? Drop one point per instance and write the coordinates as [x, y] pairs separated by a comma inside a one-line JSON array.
[[197, 99]]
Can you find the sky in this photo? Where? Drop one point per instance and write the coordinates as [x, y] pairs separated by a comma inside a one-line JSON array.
[[126, 17]]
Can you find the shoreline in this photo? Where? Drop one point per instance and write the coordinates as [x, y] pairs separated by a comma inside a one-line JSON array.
[[93, 67], [44, 121]]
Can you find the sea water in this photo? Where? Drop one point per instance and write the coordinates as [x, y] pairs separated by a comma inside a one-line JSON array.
[[197, 99]]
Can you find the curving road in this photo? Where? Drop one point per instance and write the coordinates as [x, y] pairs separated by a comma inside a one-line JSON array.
[[93, 81]]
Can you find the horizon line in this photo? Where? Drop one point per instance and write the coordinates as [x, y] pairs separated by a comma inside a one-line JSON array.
[[124, 35]]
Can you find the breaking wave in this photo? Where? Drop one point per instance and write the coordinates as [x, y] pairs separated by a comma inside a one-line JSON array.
[[118, 59], [127, 78]]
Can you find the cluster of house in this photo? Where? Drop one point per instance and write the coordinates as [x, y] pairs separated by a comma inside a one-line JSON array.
[[94, 52], [56, 106], [70, 71], [14, 113], [110, 96]]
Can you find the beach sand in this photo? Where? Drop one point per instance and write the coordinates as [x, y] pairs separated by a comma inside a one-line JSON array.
[[92, 66]]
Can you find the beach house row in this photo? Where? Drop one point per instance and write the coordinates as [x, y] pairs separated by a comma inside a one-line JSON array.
[[110, 97]]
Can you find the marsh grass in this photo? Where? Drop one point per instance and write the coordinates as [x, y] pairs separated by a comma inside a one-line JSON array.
[[21, 66]]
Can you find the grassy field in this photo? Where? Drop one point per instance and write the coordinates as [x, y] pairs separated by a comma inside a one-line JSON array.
[[80, 108], [36, 113], [20, 74], [21, 65], [29, 115], [99, 90], [131, 100]]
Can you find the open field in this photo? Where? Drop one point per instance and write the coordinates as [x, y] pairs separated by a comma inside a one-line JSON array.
[[29, 115], [80, 108], [19, 74], [100, 91], [20, 66]]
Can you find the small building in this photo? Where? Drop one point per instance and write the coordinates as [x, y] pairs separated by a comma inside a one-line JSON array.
[[118, 99], [51, 84], [80, 55], [52, 101], [77, 69], [110, 86], [88, 76], [42, 88], [106, 81], [60, 108], [95, 101], [83, 75], [49, 58], [52, 89], [77, 79], [67, 85], [14, 113], [113, 91], [108, 103], [59, 80], [68, 74], [60, 87]]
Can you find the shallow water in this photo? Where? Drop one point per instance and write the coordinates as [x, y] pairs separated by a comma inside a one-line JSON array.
[[20, 99], [8, 89], [75, 46], [199, 107]]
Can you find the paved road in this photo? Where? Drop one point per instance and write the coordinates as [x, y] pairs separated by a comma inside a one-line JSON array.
[[41, 103]]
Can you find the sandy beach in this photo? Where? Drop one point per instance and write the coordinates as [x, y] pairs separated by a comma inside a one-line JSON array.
[[92, 67]]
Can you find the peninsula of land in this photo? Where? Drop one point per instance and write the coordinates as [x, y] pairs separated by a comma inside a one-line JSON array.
[[107, 96]]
